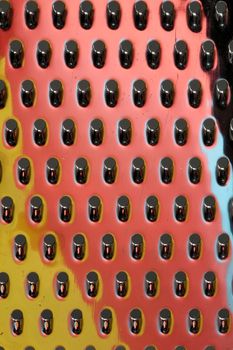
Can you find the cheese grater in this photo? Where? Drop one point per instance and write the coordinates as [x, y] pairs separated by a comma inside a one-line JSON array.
[[116, 175]]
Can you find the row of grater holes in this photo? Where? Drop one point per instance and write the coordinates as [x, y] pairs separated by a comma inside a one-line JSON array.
[[221, 93], [126, 54], [151, 284], [164, 321], [108, 247], [140, 13], [95, 209], [124, 132], [110, 170]]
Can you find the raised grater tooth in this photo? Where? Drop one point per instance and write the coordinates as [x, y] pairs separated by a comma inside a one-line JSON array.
[[71, 53], [151, 283], [59, 14], [223, 246], [124, 132], [6, 14], [43, 53], [86, 14], [135, 321], [20, 247], [111, 93], [194, 93], [139, 93], [40, 132], [27, 93], [209, 284], [96, 132], [113, 14], [17, 322], [83, 93], [222, 171], [33, 283], [108, 246], [24, 171], [207, 55], [208, 131], [137, 246], [92, 284], [94, 208], [194, 246], [65, 209], [106, 321], [181, 131], [221, 93], [126, 54], [138, 170], [166, 170], [55, 93], [46, 321], [209, 208], [76, 321], [81, 170], [31, 14], [123, 208], [68, 132], [167, 15], [140, 15], [230, 52], [180, 283], [4, 285], [36, 209], [180, 208], [62, 284], [152, 131], [223, 320], [7, 209], [167, 93], [3, 94], [109, 170], [166, 246], [49, 246], [152, 208], [194, 321], [11, 132], [121, 283], [153, 54], [194, 16], [195, 170], [221, 14], [98, 53], [165, 319], [180, 54], [16, 53], [52, 170], [79, 247]]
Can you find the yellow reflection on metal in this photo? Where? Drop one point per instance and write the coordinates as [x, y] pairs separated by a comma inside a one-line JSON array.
[[18, 271]]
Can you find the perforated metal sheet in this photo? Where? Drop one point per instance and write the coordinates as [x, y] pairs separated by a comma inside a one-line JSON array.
[[190, 217]]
